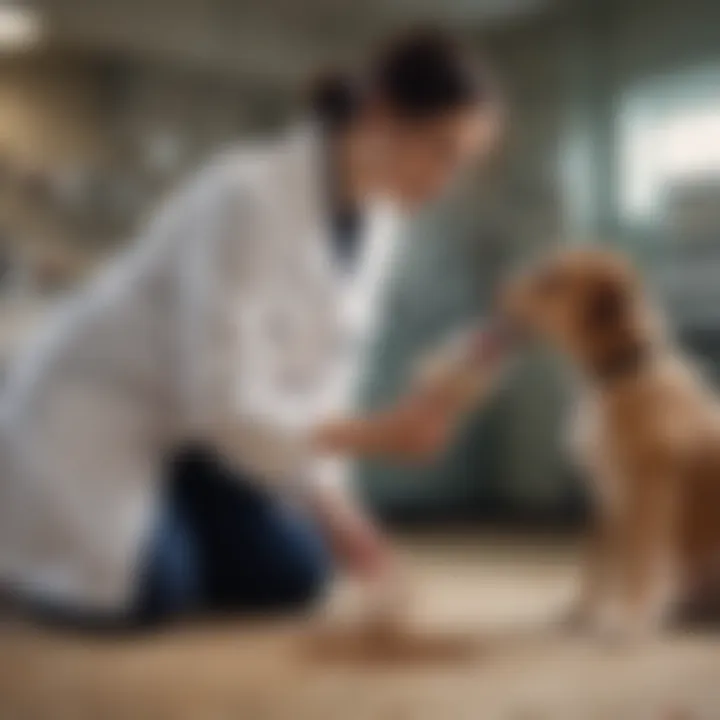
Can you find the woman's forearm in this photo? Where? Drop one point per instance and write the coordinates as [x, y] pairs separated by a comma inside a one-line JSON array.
[[411, 430], [350, 436], [455, 379], [355, 540]]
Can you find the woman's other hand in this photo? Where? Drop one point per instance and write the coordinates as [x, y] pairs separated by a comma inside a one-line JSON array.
[[357, 542]]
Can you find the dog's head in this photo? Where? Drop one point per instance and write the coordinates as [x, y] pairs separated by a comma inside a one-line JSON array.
[[586, 301]]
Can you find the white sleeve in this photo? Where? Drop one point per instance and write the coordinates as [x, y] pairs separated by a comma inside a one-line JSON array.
[[272, 425], [215, 272], [229, 397], [340, 401], [232, 396], [364, 312]]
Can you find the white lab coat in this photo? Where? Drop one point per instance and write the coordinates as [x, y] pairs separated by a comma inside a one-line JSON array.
[[228, 321]]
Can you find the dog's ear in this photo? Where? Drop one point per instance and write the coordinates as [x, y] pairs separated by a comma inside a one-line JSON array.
[[605, 306]]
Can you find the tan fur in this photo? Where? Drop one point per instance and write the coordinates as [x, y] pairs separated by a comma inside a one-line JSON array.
[[648, 433]]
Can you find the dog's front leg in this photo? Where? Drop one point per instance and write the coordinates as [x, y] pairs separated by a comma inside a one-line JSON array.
[[595, 573], [645, 560]]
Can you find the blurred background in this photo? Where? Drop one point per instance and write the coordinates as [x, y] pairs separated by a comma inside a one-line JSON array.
[[614, 133]]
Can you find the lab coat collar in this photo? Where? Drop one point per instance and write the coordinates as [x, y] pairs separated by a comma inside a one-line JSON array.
[[304, 151]]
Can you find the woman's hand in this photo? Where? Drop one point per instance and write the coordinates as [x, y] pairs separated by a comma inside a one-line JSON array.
[[365, 551], [359, 545], [420, 425], [415, 429]]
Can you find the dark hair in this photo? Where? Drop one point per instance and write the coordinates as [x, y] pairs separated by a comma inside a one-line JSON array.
[[335, 99], [419, 74]]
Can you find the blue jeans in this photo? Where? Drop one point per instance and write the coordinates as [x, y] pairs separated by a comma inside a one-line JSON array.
[[222, 544]]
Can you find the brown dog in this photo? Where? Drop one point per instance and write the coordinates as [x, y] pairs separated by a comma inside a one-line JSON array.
[[647, 430]]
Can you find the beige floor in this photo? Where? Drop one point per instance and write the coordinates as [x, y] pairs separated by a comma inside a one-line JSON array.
[[496, 597]]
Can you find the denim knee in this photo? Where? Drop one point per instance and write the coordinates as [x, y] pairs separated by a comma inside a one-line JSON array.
[[299, 564], [305, 581]]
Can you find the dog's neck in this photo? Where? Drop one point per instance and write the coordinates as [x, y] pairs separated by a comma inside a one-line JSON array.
[[626, 362], [630, 351]]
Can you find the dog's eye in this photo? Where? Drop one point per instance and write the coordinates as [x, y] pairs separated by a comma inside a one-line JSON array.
[[605, 306]]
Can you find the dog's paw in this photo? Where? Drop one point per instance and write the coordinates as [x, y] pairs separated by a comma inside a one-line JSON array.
[[626, 630]]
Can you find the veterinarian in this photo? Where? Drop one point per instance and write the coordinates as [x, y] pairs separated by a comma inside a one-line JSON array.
[[175, 440]]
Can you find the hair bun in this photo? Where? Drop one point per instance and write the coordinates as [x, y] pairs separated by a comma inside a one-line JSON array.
[[424, 71], [334, 99]]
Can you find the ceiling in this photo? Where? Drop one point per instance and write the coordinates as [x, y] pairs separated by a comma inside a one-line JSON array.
[[268, 38]]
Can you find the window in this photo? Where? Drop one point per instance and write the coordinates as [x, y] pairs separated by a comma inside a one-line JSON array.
[[669, 133]]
